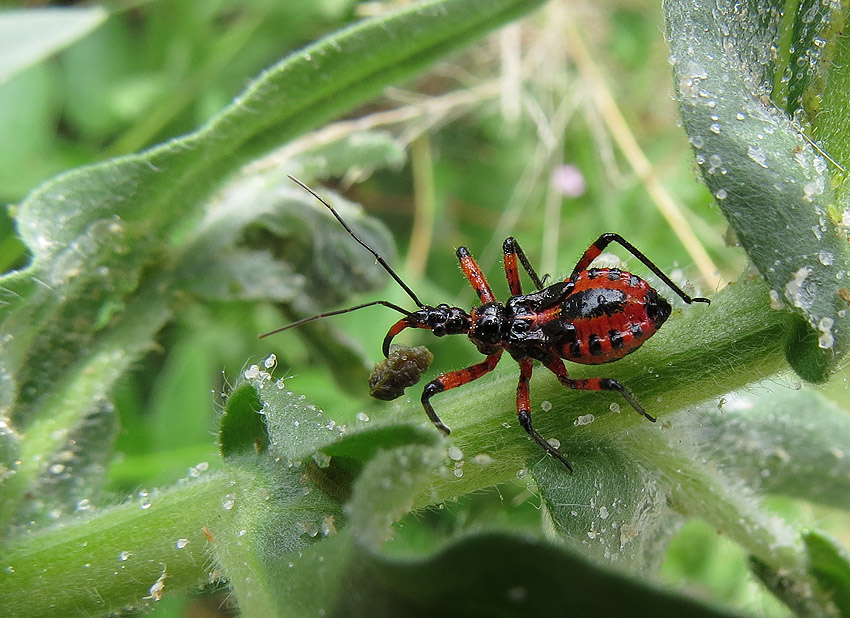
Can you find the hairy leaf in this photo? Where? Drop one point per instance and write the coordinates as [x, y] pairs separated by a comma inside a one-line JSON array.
[[776, 189]]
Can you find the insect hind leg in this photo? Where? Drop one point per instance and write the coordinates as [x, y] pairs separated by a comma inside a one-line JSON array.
[[606, 239], [597, 384]]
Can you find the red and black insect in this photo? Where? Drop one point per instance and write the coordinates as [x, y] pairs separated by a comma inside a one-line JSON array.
[[595, 316]]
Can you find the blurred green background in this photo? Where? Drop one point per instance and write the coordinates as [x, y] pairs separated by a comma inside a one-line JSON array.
[[510, 137]]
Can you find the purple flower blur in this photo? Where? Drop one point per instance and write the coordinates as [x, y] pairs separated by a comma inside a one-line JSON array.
[[568, 180]]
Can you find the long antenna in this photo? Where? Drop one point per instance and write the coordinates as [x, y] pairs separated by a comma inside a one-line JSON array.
[[381, 260], [337, 312]]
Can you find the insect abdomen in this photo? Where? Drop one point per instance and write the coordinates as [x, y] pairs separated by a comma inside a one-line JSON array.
[[613, 313]]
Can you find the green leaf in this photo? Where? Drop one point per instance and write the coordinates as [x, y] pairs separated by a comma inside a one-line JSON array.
[[370, 149], [792, 443], [243, 428], [298, 429], [29, 36], [386, 489], [611, 508], [498, 574], [830, 564], [820, 591], [274, 523], [286, 572], [774, 187]]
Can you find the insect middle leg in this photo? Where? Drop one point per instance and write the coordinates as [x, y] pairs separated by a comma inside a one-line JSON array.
[[606, 239], [523, 408], [512, 251], [453, 379], [557, 367]]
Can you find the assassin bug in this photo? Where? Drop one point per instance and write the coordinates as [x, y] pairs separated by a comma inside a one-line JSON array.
[[595, 316]]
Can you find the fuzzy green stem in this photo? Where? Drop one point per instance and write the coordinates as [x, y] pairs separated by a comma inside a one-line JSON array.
[[110, 560]]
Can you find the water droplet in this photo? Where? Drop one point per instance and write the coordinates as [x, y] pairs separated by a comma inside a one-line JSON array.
[[328, 525], [124, 555], [614, 407], [228, 502], [322, 460], [721, 194], [181, 543], [521, 473], [585, 419], [545, 405], [57, 468], [362, 417], [251, 372], [455, 453], [554, 442], [815, 187], [826, 339], [603, 512], [795, 289], [482, 459], [309, 528], [270, 361], [458, 472], [757, 154]]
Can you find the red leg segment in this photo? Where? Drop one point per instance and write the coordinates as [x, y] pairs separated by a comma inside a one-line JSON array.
[[396, 328], [475, 276], [453, 379], [511, 271], [596, 384], [523, 408]]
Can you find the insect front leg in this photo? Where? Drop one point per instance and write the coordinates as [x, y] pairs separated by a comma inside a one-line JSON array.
[[523, 408], [474, 275], [596, 384], [453, 379]]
